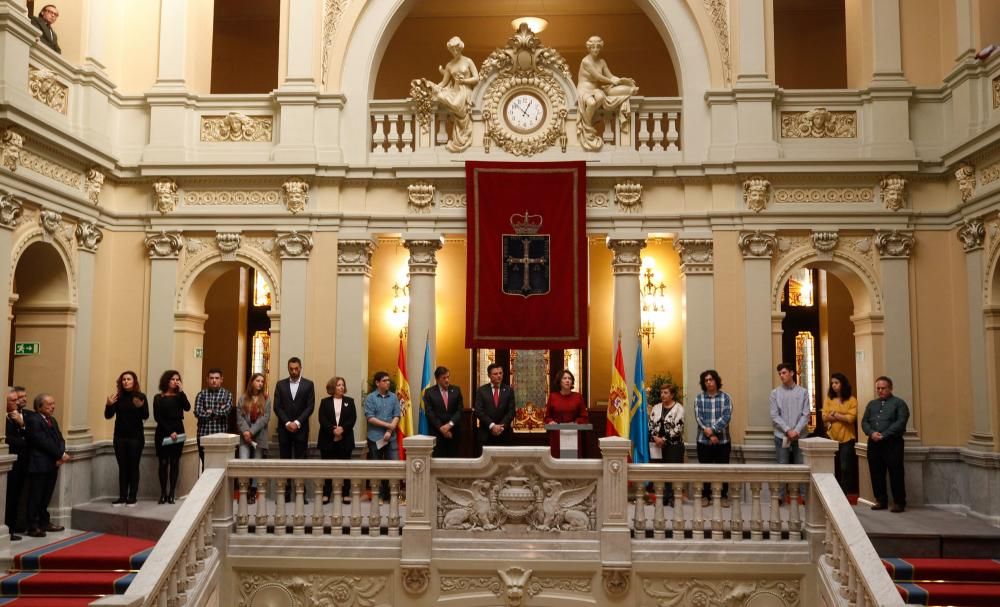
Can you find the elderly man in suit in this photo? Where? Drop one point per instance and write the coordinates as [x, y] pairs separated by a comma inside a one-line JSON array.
[[44, 21], [443, 406], [46, 452], [495, 406]]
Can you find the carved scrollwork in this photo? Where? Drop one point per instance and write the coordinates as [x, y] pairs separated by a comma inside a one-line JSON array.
[[453, 200], [10, 210], [197, 198], [681, 592], [44, 87], [50, 221], [355, 256], [756, 193], [88, 235], [420, 196], [416, 579], [893, 190], [965, 175], [616, 581], [696, 254], [93, 185], [972, 234], [296, 194], [598, 200], [520, 581], [11, 143], [810, 195], [825, 242], [294, 244], [235, 126], [719, 11], [423, 258], [258, 589], [990, 174], [757, 244], [165, 195], [628, 195], [996, 92], [333, 13], [894, 243], [228, 243], [164, 244], [819, 123]]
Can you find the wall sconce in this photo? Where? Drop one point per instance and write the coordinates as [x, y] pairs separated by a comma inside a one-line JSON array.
[[401, 302], [652, 297]]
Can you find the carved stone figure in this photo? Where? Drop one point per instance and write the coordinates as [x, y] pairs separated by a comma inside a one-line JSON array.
[[819, 123], [95, 181], [235, 126], [88, 235], [558, 511], [599, 90], [757, 244], [420, 195], [296, 194], [164, 244], [294, 244], [10, 148], [756, 192], [628, 195], [228, 242], [454, 93], [893, 192], [46, 88], [966, 177], [416, 579], [475, 510], [165, 198], [825, 242], [514, 578], [10, 210], [50, 221]]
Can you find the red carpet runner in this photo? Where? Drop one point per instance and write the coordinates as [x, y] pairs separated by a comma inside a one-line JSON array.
[[73, 571], [946, 582]]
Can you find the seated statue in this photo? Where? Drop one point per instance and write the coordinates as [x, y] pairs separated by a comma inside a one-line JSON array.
[[454, 93], [597, 90]]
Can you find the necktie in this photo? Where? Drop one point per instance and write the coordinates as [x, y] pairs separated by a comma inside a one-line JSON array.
[[496, 397], [444, 397], [48, 420]]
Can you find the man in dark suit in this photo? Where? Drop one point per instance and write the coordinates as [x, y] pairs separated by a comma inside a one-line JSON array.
[[46, 452], [44, 21], [294, 401], [443, 407], [495, 407], [17, 439]]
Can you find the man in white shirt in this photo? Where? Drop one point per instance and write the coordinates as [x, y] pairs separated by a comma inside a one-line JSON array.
[[294, 401]]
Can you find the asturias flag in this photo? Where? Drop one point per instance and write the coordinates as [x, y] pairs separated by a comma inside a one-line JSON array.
[[639, 425], [405, 405], [426, 381], [618, 414]]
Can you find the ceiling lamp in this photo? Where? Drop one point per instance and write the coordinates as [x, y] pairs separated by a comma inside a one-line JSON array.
[[535, 24]]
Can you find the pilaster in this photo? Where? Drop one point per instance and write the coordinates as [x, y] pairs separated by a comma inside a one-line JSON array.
[[354, 271], [894, 249], [98, 18], [757, 249], [423, 250], [626, 264], [754, 91], [294, 249], [172, 64], [616, 541], [698, 301], [10, 214], [88, 238], [972, 234], [298, 94], [163, 249]]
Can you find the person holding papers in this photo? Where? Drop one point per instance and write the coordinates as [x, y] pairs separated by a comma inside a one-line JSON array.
[[382, 411], [168, 411]]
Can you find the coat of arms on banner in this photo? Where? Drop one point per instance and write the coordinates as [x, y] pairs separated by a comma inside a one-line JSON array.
[[526, 257]]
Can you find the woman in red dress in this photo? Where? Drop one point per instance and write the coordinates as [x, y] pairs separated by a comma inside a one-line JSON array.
[[564, 407]]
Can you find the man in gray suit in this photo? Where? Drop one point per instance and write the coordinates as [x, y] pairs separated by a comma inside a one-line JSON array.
[[44, 21]]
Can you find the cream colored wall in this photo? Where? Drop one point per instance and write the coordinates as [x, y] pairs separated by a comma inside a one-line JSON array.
[[388, 264], [199, 46], [321, 318], [730, 328], [664, 356], [449, 301], [602, 342], [133, 44], [925, 58], [857, 14], [989, 23]]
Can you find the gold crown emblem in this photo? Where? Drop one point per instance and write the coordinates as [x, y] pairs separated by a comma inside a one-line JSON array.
[[526, 224]]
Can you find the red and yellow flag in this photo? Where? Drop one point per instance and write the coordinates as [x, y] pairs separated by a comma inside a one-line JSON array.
[[618, 407], [406, 426]]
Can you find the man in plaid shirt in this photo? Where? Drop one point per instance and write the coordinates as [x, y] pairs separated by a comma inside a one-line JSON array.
[[212, 407], [713, 410]]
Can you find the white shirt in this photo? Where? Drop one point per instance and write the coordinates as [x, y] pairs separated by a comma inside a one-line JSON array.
[[337, 404], [293, 386]]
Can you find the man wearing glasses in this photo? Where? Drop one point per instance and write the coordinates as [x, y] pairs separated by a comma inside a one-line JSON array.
[[44, 21]]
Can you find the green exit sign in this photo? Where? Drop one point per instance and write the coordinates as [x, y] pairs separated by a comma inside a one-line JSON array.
[[26, 348]]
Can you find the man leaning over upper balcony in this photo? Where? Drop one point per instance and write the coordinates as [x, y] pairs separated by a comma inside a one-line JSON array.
[[44, 21]]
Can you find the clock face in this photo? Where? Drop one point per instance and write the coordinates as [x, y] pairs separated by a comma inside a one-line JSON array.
[[524, 112]]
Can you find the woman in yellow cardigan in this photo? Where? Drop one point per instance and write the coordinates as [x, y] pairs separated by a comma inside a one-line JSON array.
[[840, 412]]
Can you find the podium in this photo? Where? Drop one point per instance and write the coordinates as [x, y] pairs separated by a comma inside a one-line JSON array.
[[564, 439]]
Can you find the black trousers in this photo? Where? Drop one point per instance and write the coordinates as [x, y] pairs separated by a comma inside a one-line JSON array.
[[40, 490], [345, 489], [446, 447], [289, 448], [128, 452], [714, 454], [845, 466], [884, 456], [15, 489]]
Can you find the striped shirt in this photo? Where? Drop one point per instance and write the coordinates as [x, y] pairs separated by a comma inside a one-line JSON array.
[[713, 412], [211, 407]]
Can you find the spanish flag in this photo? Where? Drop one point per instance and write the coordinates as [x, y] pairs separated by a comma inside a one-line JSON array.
[[403, 394], [618, 405]]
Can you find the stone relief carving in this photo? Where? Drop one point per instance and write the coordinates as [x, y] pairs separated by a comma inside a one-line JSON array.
[[420, 196], [756, 192], [824, 195], [297, 590], [819, 123], [517, 496], [719, 12], [198, 198], [228, 243], [423, 255], [453, 201], [972, 234], [52, 170], [893, 192], [164, 244], [990, 174], [894, 243], [10, 148], [628, 195], [10, 210], [514, 579], [194, 245], [616, 581], [235, 126], [88, 235], [681, 592], [165, 195], [93, 185], [454, 93], [626, 255], [265, 245], [333, 13], [415, 578], [757, 244], [296, 194], [50, 221], [598, 200], [294, 244], [513, 583], [598, 91], [825, 242], [996, 93], [697, 255], [355, 256], [965, 175], [46, 88]]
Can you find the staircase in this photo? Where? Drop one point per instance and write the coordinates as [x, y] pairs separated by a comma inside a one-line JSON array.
[[946, 582], [73, 571]]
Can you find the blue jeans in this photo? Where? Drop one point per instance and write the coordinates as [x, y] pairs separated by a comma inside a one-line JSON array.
[[791, 454], [248, 452]]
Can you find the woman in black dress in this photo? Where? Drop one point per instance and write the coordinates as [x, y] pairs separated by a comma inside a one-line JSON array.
[[129, 407], [168, 411], [337, 416]]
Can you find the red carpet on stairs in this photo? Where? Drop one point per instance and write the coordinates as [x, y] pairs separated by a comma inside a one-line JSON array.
[[73, 571], [946, 582]]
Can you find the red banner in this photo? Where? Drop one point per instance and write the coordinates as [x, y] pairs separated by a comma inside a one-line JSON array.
[[527, 262]]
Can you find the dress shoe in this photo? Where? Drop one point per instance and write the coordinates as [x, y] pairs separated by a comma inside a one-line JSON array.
[[130, 504], [878, 506], [119, 502], [36, 533], [170, 499], [162, 500], [14, 537], [52, 527], [897, 508]]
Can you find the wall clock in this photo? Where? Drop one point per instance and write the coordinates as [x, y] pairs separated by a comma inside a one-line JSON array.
[[524, 111]]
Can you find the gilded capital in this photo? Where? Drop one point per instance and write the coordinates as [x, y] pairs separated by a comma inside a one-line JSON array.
[[164, 244], [10, 210], [88, 236], [972, 234], [294, 244], [355, 256], [757, 244], [894, 244], [697, 255], [423, 258], [626, 255]]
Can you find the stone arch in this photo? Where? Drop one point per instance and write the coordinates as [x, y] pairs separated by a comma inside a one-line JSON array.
[[202, 270], [37, 235], [991, 280], [687, 33], [854, 273]]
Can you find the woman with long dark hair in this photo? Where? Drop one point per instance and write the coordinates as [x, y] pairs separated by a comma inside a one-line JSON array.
[[253, 412], [168, 411], [129, 407], [840, 413]]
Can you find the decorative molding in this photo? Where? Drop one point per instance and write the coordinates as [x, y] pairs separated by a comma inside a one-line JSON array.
[[972, 234], [996, 93], [513, 583], [453, 200], [94, 181], [863, 265], [786, 244], [819, 123], [296, 194], [294, 244], [825, 242], [228, 243], [894, 244], [893, 188], [355, 256], [333, 13], [965, 175], [11, 210], [44, 87], [88, 236], [625, 255], [260, 589], [756, 192], [53, 170], [697, 255], [416, 578], [990, 174], [422, 255], [200, 198], [616, 581], [628, 195], [598, 200], [757, 244], [50, 221], [823, 195], [236, 127], [420, 196], [10, 148], [164, 244], [265, 245], [862, 245], [681, 592], [718, 10], [164, 195]]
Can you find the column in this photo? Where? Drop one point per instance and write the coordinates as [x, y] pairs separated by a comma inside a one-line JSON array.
[[10, 213], [965, 35], [698, 303], [88, 238], [757, 249], [354, 272], [163, 249], [298, 93], [421, 321], [170, 73], [887, 59], [972, 234], [888, 103], [625, 265], [294, 249], [98, 17], [169, 100], [754, 91], [300, 55]]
